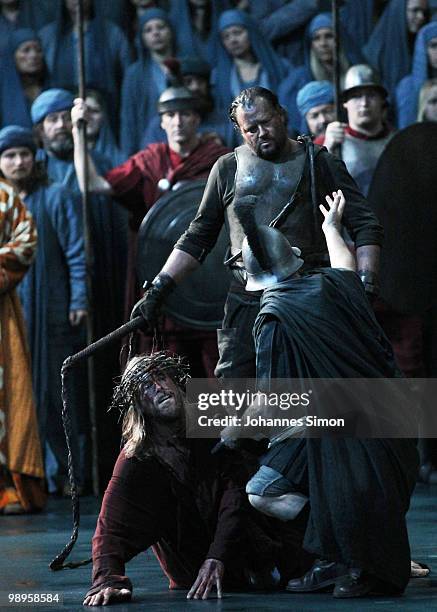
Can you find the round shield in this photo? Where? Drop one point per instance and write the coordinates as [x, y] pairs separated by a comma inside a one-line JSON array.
[[198, 301], [403, 196]]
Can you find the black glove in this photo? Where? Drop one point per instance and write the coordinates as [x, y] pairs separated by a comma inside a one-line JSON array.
[[370, 281], [150, 304]]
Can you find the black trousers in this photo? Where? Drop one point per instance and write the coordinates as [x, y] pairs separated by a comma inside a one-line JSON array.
[[235, 340]]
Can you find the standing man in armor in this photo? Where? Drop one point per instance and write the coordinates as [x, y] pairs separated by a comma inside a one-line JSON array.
[[141, 180], [284, 180], [365, 136]]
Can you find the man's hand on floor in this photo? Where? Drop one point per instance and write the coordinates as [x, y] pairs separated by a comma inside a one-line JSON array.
[[107, 596], [210, 575]]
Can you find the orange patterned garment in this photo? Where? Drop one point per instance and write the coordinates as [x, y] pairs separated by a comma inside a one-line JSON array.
[[21, 465]]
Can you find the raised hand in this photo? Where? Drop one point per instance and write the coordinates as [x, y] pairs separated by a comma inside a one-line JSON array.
[[334, 213], [334, 135]]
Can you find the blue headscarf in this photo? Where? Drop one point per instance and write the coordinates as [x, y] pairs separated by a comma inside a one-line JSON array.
[[51, 101], [16, 136], [324, 20], [31, 14], [407, 92], [387, 49], [274, 67], [420, 68], [143, 83], [148, 15], [14, 105], [189, 40], [18, 37], [314, 94], [303, 74]]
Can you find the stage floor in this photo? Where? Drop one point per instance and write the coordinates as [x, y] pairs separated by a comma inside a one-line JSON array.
[[28, 544]]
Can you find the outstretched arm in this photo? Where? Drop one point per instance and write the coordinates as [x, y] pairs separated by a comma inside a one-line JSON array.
[[339, 254]]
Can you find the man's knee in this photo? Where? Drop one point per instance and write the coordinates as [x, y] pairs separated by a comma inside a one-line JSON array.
[[283, 507], [256, 501]]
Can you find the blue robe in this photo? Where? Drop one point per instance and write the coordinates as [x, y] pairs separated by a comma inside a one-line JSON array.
[[54, 286], [190, 43], [33, 14], [283, 24], [225, 79], [407, 91], [302, 75], [106, 146], [143, 84], [388, 48], [357, 19], [14, 105], [109, 236], [107, 56]]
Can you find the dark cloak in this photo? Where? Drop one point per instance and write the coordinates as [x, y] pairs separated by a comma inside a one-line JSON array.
[[322, 326]]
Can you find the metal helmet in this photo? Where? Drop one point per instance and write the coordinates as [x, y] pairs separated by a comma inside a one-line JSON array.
[[178, 98], [362, 75], [283, 259]]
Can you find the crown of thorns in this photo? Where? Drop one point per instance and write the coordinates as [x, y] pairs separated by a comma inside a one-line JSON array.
[[161, 362]]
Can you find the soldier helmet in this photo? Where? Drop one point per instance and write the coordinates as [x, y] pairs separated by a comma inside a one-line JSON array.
[[177, 99], [279, 262], [360, 76]]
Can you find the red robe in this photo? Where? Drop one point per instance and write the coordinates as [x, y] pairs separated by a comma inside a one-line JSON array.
[[135, 184]]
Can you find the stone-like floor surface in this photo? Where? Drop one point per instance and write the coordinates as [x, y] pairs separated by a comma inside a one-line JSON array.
[[29, 543]]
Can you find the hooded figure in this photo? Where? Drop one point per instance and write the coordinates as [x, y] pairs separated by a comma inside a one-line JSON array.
[[407, 92], [283, 24], [313, 69], [144, 82], [192, 42], [357, 16], [321, 326], [31, 14], [107, 55], [389, 48], [14, 104], [101, 138], [226, 78]]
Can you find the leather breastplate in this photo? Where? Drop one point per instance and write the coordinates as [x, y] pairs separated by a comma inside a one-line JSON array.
[[274, 184]]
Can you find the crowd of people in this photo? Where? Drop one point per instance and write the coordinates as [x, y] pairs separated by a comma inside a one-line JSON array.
[[177, 91]]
